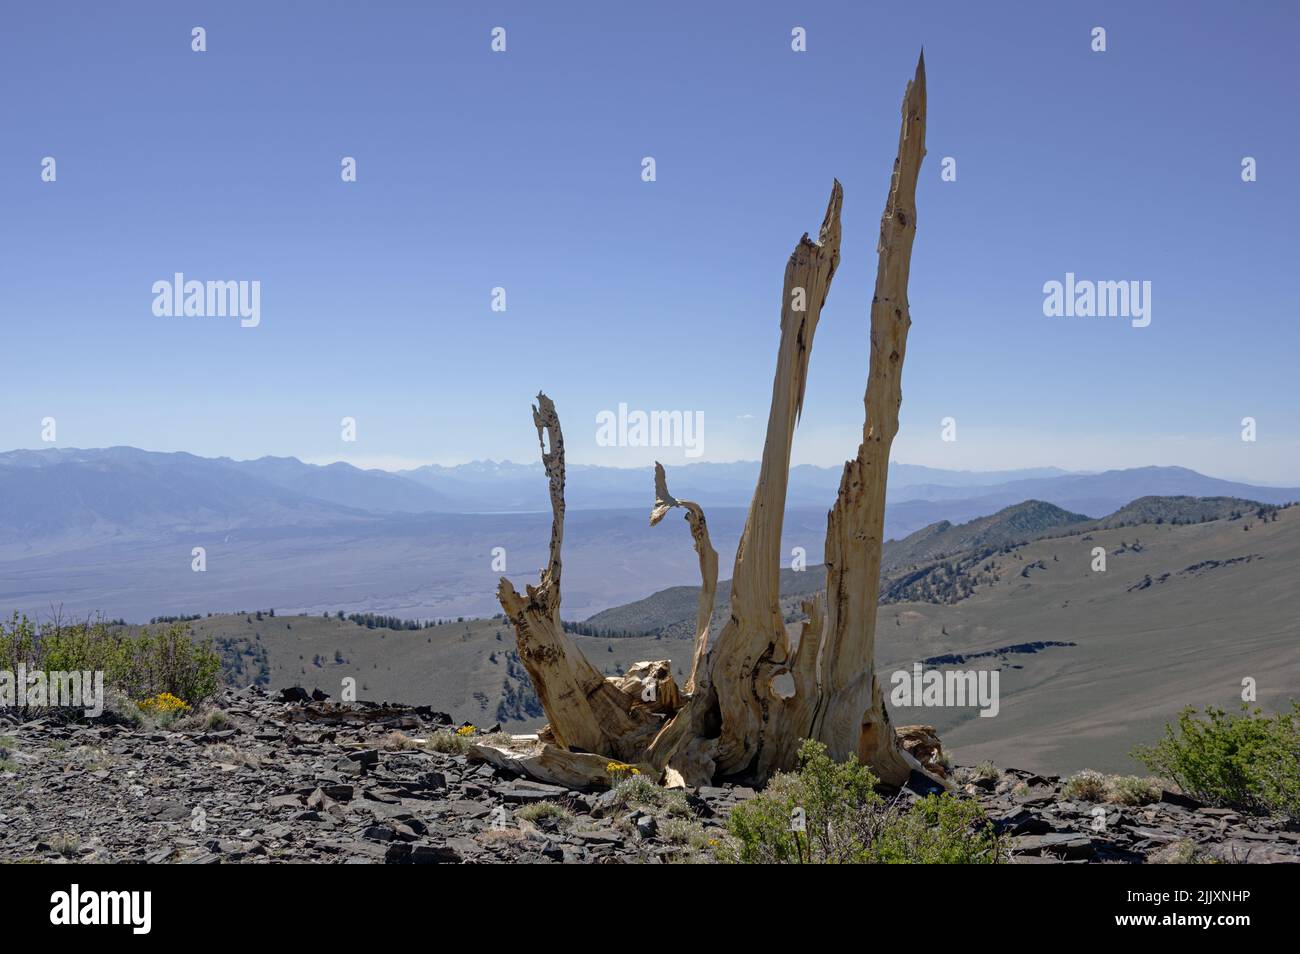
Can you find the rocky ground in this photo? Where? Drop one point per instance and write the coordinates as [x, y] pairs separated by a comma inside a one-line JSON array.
[[1045, 826], [302, 780]]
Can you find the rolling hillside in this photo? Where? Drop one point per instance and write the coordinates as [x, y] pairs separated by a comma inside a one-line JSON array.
[[1182, 614], [1091, 663], [940, 555], [467, 668]]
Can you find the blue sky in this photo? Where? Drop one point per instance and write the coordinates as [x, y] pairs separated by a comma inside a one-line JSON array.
[[523, 170]]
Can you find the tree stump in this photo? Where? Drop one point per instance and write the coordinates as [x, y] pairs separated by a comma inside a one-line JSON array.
[[754, 695]]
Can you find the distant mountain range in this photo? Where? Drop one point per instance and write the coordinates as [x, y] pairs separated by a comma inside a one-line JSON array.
[[126, 490]]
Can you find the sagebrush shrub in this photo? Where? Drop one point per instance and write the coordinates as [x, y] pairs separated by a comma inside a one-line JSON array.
[[140, 667], [1250, 761], [842, 819]]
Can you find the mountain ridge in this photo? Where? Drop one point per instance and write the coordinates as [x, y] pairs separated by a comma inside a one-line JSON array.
[[960, 546], [489, 486]]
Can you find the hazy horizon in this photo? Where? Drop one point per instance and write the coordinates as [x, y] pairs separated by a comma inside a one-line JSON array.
[[399, 465], [478, 170]]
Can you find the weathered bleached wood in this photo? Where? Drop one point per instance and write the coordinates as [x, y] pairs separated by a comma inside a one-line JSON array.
[[664, 501], [753, 646], [549, 763], [852, 717], [756, 694], [797, 689], [651, 685], [586, 711]]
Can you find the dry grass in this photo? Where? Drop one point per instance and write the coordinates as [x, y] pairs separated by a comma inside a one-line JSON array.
[[638, 791], [1183, 852], [398, 742], [1131, 790], [687, 834], [1085, 786], [92, 758], [448, 742], [1091, 786], [501, 836], [66, 844], [452, 742], [204, 720], [539, 811], [229, 755]]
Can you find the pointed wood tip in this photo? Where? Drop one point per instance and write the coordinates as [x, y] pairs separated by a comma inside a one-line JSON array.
[[664, 501], [544, 407], [914, 96], [831, 222]]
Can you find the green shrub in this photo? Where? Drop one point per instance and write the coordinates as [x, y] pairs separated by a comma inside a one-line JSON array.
[[846, 821], [938, 830], [1250, 761], [143, 666], [638, 791], [448, 742]]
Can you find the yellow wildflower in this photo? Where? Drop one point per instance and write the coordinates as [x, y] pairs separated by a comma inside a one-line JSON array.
[[163, 703]]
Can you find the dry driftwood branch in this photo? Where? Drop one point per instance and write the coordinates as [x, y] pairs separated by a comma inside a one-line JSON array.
[[664, 501], [528, 755], [756, 694]]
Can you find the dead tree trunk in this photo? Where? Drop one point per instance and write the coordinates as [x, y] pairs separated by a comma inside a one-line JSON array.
[[587, 712], [752, 648], [756, 694], [852, 716]]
